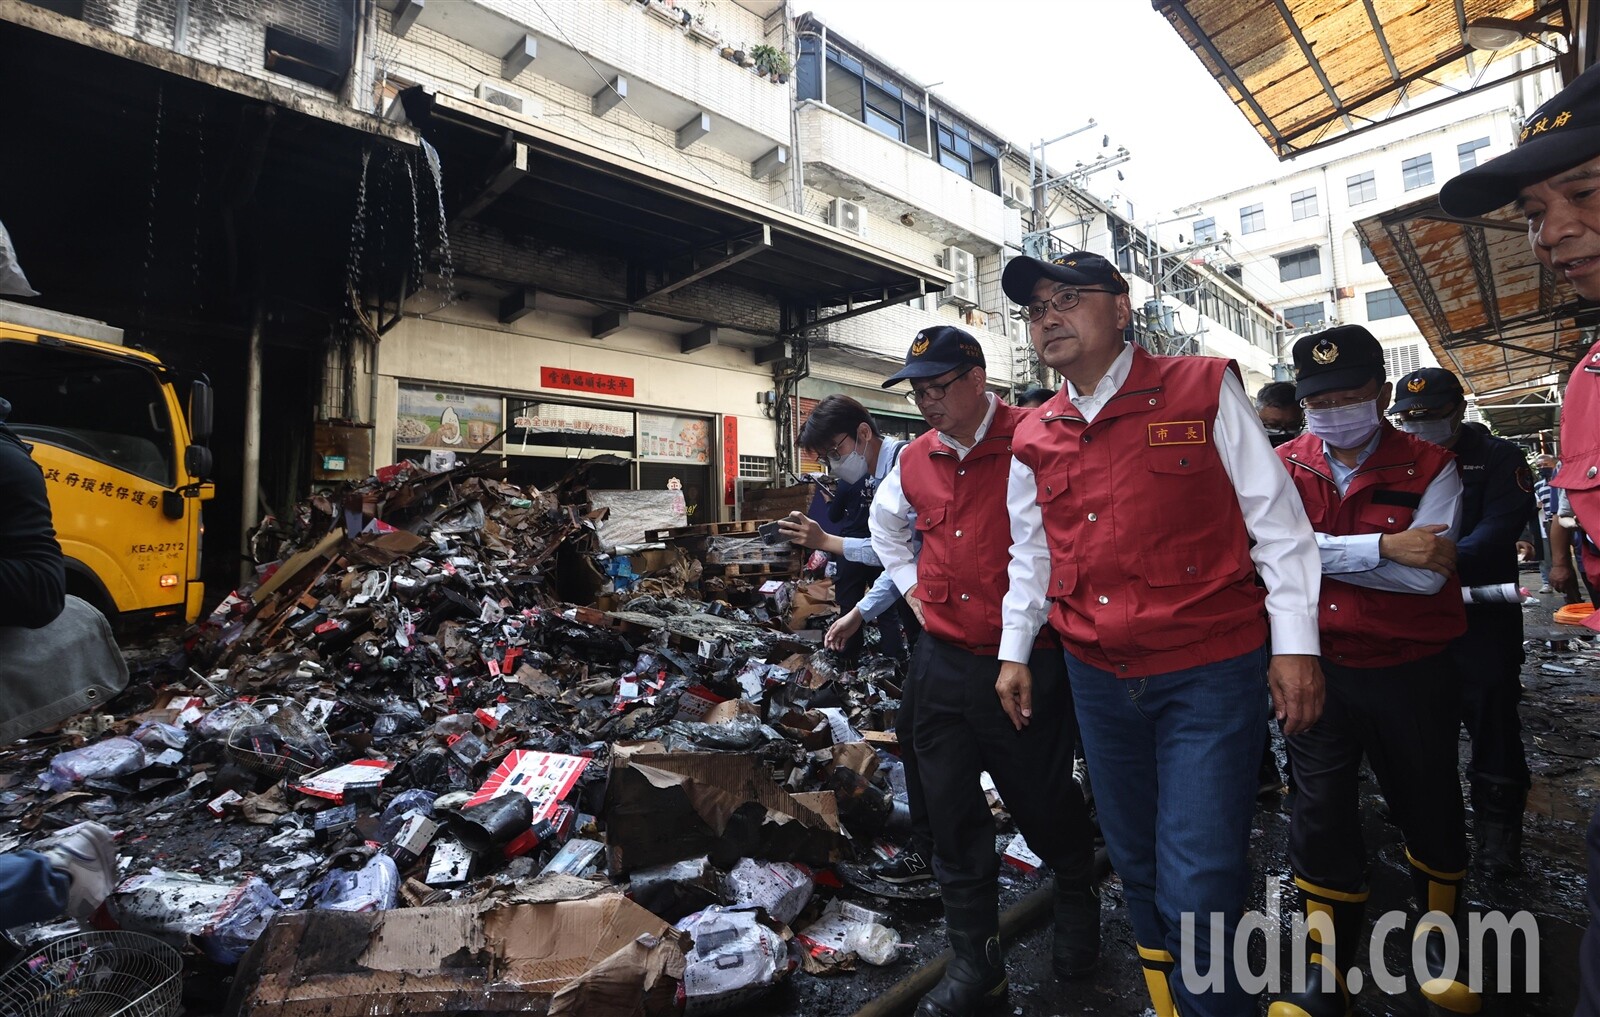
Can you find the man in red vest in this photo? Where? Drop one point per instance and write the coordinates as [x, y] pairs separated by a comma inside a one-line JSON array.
[[946, 488], [1386, 506], [1135, 496], [1550, 176]]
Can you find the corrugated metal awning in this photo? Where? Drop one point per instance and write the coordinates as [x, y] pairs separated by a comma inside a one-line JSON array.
[[1308, 72], [1507, 326]]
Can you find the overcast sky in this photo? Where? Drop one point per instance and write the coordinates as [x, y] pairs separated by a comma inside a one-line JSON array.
[[1032, 69]]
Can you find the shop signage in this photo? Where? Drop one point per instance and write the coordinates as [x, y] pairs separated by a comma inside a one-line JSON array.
[[445, 418], [730, 458], [585, 381], [668, 439]]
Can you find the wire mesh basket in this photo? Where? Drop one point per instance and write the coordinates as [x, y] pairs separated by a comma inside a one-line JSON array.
[[273, 739], [95, 974]]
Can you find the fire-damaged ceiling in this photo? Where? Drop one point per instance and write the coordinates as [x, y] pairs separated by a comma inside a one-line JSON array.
[[1306, 73], [1506, 325]]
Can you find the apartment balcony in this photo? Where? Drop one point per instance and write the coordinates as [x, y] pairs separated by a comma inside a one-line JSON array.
[[844, 157], [675, 74]]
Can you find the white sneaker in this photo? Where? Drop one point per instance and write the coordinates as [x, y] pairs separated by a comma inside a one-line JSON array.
[[1546, 589], [87, 856]]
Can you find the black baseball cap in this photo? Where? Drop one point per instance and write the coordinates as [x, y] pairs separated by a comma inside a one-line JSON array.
[[939, 350], [1076, 268], [1427, 388], [1343, 357], [1561, 134]]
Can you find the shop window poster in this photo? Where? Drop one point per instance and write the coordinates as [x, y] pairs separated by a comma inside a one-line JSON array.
[[444, 418], [670, 439]]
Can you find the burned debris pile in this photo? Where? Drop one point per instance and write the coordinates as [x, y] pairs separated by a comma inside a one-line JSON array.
[[452, 751]]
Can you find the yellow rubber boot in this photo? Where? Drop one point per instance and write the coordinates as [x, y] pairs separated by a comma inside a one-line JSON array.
[[1439, 898], [1158, 965], [1333, 919]]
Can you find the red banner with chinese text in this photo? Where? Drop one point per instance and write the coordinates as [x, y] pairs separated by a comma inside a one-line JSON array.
[[585, 381]]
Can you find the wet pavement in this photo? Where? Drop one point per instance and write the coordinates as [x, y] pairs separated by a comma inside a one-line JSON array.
[[1561, 730], [1560, 711]]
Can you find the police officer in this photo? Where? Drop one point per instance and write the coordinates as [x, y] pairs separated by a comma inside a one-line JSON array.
[[1496, 505], [944, 488], [1550, 175], [1135, 495], [1386, 507]]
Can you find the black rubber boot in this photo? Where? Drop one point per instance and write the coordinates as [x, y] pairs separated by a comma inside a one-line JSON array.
[[1325, 994], [1497, 811], [1439, 893], [1077, 942], [975, 980]]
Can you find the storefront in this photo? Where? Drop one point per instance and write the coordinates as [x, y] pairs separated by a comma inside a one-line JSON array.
[[646, 414]]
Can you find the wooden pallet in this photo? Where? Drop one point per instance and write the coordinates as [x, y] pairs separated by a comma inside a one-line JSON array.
[[735, 528], [752, 569]]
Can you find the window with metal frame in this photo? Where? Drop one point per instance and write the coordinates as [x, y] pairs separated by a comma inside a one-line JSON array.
[[1384, 304], [1417, 172], [1252, 218], [1205, 231], [1361, 187], [1299, 265], [1467, 152], [1303, 204], [1302, 315]]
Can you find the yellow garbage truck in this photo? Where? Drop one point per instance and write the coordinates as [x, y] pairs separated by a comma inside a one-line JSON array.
[[124, 459]]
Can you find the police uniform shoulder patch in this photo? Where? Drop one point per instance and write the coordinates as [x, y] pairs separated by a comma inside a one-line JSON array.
[[1177, 432]]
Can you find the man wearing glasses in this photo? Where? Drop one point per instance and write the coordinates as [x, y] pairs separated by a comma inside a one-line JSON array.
[[944, 489], [1135, 495], [1550, 178], [1386, 507], [843, 435]]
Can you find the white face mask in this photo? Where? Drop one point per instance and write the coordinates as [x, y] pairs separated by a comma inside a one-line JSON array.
[[1436, 431], [1345, 426], [851, 468]]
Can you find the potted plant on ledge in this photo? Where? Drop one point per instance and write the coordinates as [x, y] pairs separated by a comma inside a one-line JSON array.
[[771, 61]]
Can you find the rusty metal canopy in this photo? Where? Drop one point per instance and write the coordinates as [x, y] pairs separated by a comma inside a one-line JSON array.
[[1309, 72], [1507, 326]]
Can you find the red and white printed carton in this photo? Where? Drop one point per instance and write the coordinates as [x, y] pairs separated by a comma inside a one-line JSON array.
[[1020, 856], [544, 778], [335, 782]]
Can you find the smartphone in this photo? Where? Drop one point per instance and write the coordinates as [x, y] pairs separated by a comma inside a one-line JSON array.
[[770, 533]]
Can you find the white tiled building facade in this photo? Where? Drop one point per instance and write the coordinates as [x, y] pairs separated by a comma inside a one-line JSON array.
[[1294, 239]]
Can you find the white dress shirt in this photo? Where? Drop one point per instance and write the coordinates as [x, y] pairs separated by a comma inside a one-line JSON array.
[[893, 519], [1355, 559], [1284, 553]]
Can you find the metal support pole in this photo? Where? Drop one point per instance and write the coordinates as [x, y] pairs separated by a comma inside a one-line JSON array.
[[250, 484]]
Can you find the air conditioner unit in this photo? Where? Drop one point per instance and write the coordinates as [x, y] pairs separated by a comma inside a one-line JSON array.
[[500, 97], [847, 215], [1015, 195], [964, 267], [1017, 330]]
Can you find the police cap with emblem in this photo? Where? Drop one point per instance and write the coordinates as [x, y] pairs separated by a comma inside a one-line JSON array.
[[1075, 268], [939, 350], [1561, 134], [1343, 357], [1427, 388]]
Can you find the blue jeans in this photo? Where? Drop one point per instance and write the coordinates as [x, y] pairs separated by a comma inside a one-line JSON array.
[[1174, 758], [33, 891]]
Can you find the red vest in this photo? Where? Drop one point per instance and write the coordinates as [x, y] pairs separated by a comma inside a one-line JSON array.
[[1580, 451], [1363, 627], [1150, 567], [966, 531]]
